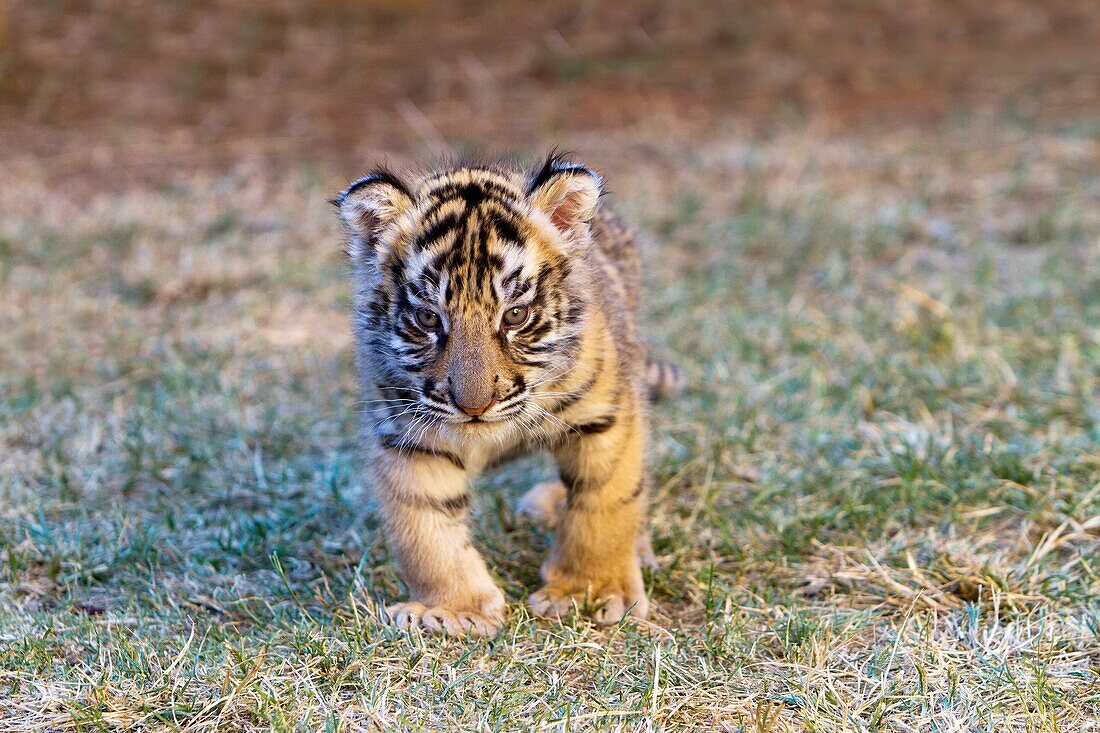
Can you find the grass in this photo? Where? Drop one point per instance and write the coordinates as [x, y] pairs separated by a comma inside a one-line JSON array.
[[877, 509]]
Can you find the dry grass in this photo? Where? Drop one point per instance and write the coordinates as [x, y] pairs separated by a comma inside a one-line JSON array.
[[878, 509]]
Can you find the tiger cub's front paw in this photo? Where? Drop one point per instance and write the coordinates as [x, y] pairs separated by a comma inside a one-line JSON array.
[[476, 619], [606, 602]]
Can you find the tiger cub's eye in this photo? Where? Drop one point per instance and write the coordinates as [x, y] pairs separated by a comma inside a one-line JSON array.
[[427, 318], [516, 315]]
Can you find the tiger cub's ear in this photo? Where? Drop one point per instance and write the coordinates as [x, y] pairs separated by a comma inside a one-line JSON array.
[[369, 205], [566, 192]]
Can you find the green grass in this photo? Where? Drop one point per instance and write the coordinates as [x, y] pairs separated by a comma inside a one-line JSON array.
[[877, 509]]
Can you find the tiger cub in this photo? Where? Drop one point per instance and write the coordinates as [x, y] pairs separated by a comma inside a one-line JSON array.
[[495, 312]]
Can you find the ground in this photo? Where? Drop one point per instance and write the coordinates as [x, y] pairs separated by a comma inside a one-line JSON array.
[[877, 508]]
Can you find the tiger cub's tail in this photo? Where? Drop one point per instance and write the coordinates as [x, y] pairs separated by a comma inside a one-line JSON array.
[[663, 379]]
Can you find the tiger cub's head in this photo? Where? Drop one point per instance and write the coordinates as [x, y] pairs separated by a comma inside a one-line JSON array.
[[470, 287]]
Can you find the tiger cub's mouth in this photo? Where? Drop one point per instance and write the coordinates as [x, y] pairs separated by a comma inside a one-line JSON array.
[[508, 408]]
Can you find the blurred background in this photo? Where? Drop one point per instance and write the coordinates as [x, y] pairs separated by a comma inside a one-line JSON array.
[[122, 93]]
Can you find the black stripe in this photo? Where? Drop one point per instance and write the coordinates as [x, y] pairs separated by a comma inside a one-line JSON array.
[[379, 175], [473, 192], [529, 349], [504, 398], [413, 335], [636, 493], [505, 228], [595, 427], [574, 487], [535, 330], [580, 392], [573, 399], [486, 195], [554, 165], [512, 277], [453, 505], [437, 231], [574, 314], [395, 443]]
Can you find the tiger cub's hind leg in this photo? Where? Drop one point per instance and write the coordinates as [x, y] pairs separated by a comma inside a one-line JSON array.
[[543, 503]]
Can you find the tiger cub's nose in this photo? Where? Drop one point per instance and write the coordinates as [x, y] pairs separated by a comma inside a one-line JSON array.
[[472, 383], [473, 410]]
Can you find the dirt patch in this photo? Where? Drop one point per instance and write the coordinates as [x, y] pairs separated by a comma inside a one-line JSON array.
[[135, 92]]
